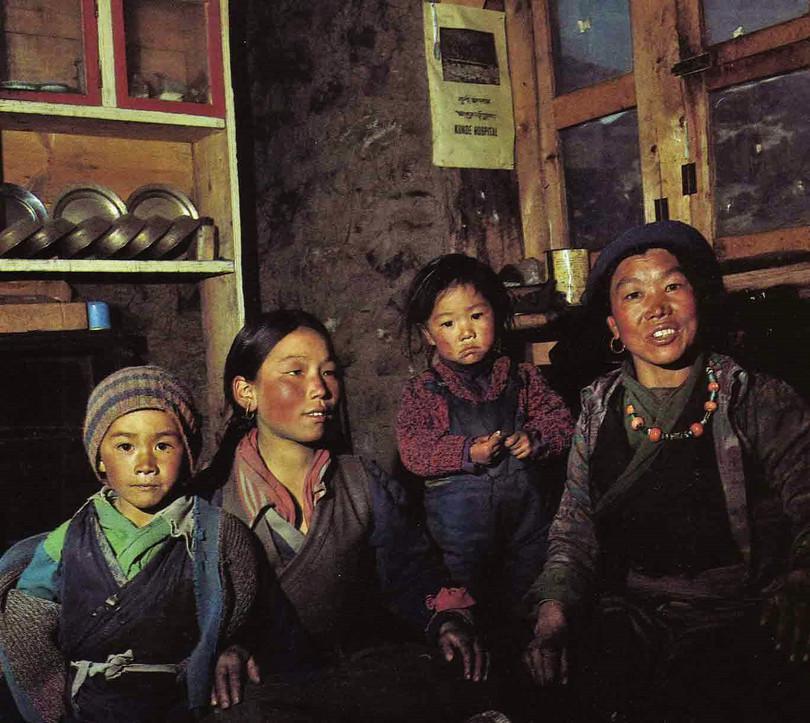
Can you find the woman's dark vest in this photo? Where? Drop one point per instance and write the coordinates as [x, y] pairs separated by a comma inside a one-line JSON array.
[[673, 521]]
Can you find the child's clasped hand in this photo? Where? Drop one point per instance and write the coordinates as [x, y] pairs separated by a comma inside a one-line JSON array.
[[486, 450]]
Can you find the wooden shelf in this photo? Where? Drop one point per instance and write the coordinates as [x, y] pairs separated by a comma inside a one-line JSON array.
[[789, 275], [196, 269], [534, 321], [101, 120]]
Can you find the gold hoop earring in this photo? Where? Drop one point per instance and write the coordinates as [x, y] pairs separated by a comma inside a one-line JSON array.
[[613, 349], [250, 414]]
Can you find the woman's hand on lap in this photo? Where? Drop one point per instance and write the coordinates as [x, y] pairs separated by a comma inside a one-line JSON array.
[[787, 612], [547, 654], [229, 675], [458, 638]]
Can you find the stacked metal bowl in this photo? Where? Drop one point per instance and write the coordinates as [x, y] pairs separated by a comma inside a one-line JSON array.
[[91, 221]]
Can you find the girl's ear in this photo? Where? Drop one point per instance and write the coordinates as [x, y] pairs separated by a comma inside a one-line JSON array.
[[614, 329], [426, 335], [102, 469], [244, 392]]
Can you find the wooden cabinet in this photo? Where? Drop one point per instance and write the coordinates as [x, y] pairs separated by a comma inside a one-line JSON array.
[[148, 102]]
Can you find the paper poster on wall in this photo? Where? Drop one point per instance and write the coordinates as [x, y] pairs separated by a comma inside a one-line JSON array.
[[470, 92]]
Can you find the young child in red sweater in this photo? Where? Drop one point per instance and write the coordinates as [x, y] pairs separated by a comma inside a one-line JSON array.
[[474, 425]]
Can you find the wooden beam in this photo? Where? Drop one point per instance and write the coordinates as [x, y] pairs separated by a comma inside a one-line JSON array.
[[554, 201], [763, 40], [533, 321], [792, 275], [772, 62], [520, 42], [784, 240], [609, 97], [661, 114], [689, 24]]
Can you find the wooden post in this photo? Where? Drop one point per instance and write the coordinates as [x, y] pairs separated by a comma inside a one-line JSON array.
[[662, 120], [551, 170], [520, 41]]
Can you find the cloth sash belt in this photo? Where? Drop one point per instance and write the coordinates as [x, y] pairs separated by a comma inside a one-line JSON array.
[[114, 667]]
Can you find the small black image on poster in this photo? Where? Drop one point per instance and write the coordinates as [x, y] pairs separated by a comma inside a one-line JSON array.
[[469, 56]]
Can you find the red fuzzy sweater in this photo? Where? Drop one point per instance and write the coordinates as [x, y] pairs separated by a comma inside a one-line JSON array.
[[428, 449]]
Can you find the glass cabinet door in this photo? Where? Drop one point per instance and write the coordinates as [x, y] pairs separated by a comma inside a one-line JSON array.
[[168, 55], [49, 51], [762, 154], [602, 179], [592, 42], [726, 19]]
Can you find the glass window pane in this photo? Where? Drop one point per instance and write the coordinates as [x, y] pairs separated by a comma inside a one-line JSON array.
[[762, 154], [592, 41], [602, 178], [726, 19], [42, 46], [167, 49]]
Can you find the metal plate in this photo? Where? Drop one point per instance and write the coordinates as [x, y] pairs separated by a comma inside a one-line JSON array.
[[19, 203], [155, 228], [78, 243], [160, 200], [12, 236], [177, 239], [55, 88], [79, 203], [42, 244], [123, 230], [18, 85]]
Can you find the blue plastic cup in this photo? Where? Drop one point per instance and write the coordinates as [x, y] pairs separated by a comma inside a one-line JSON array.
[[98, 315]]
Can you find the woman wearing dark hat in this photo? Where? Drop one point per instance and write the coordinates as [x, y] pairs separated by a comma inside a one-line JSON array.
[[678, 576]]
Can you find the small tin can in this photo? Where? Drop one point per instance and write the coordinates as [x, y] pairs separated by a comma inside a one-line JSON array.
[[569, 269], [98, 315]]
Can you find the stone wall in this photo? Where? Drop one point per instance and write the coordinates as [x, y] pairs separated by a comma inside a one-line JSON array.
[[333, 106]]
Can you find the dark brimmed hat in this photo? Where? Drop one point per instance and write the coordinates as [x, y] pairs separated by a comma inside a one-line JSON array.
[[135, 388], [684, 241]]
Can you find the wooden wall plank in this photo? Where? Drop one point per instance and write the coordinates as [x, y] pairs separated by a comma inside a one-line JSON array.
[[610, 97], [791, 275], [661, 114], [520, 42], [46, 163], [773, 62], [50, 18], [554, 201], [783, 240], [762, 40], [212, 187], [696, 113], [223, 303]]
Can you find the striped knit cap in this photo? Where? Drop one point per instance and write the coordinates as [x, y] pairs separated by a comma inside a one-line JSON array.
[[135, 388]]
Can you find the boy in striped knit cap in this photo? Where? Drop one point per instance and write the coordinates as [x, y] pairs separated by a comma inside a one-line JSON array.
[[146, 602]]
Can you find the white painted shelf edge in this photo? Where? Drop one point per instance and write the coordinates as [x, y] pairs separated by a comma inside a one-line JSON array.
[[113, 266], [104, 113]]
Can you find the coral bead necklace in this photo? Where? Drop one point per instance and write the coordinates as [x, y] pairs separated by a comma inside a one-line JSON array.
[[656, 434]]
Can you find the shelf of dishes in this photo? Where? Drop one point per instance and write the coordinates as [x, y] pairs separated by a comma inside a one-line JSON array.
[[91, 222]]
